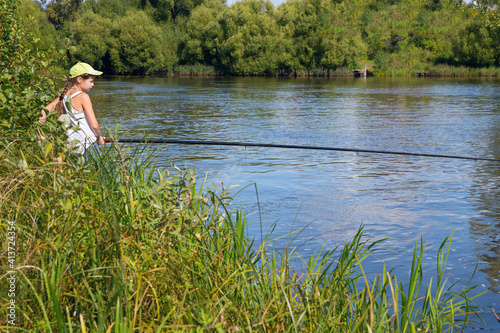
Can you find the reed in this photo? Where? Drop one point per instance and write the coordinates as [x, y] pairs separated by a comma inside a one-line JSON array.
[[461, 71], [325, 72], [118, 244], [195, 70]]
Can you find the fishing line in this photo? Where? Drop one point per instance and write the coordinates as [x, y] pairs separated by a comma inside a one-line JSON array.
[[271, 145]]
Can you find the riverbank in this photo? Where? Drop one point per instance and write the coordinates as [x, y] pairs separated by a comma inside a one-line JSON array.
[[119, 243], [430, 71]]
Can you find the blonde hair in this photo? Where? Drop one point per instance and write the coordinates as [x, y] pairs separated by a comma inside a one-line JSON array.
[[69, 84]]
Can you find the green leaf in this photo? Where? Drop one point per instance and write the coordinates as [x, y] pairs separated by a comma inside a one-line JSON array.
[[48, 148], [68, 103], [64, 118]]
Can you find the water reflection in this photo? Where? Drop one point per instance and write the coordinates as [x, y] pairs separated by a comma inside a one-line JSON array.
[[485, 227], [330, 194]]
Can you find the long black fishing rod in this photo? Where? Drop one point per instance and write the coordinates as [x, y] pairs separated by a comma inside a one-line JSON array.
[[271, 145]]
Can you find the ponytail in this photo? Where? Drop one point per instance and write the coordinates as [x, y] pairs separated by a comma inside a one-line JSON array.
[[60, 105], [69, 84]]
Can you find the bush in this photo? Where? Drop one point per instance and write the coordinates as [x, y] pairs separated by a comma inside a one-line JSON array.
[[138, 45], [42, 32], [91, 36], [478, 44], [24, 91]]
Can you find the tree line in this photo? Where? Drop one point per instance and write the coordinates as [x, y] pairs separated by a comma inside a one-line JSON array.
[[253, 37]]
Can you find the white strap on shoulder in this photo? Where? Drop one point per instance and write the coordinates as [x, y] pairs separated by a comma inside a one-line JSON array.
[[77, 93]]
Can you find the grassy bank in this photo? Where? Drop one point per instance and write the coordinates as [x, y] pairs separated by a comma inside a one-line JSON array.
[[194, 70], [431, 70], [434, 71], [439, 71], [120, 245], [461, 71]]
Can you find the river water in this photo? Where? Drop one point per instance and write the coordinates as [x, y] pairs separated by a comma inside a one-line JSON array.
[[329, 194]]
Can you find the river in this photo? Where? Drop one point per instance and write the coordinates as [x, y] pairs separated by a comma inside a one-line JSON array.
[[329, 194]]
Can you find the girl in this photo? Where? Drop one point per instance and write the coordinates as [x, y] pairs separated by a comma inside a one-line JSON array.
[[83, 128]]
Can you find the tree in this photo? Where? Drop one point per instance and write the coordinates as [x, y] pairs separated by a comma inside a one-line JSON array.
[[487, 3], [341, 43], [325, 34], [23, 90], [478, 44], [91, 41], [204, 34], [111, 9], [298, 20], [170, 9], [61, 11], [138, 45], [252, 42], [38, 27]]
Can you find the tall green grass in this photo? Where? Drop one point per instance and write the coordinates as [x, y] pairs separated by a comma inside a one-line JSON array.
[[461, 71], [118, 244], [325, 72], [195, 70]]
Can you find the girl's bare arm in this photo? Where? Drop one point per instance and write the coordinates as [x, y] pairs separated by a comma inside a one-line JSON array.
[[90, 115], [49, 108]]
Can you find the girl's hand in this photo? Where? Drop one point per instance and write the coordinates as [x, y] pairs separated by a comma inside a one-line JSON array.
[[100, 140], [39, 134], [43, 118]]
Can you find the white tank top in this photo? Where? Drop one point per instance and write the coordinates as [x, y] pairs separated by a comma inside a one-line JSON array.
[[79, 133]]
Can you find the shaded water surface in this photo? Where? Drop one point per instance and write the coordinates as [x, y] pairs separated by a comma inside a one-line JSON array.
[[329, 194]]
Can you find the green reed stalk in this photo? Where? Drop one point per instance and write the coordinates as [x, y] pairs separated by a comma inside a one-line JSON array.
[[116, 244]]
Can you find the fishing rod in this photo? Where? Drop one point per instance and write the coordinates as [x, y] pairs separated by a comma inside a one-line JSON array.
[[271, 145]]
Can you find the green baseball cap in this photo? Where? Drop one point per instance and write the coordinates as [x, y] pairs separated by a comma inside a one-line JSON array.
[[82, 68]]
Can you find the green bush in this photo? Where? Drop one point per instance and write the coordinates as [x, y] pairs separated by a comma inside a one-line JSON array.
[[203, 34], [24, 91], [253, 44], [478, 44], [42, 32], [138, 45], [91, 35], [132, 44]]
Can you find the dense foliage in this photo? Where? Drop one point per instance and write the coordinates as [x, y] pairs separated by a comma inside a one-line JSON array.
[[23, 60], [252, 37]]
